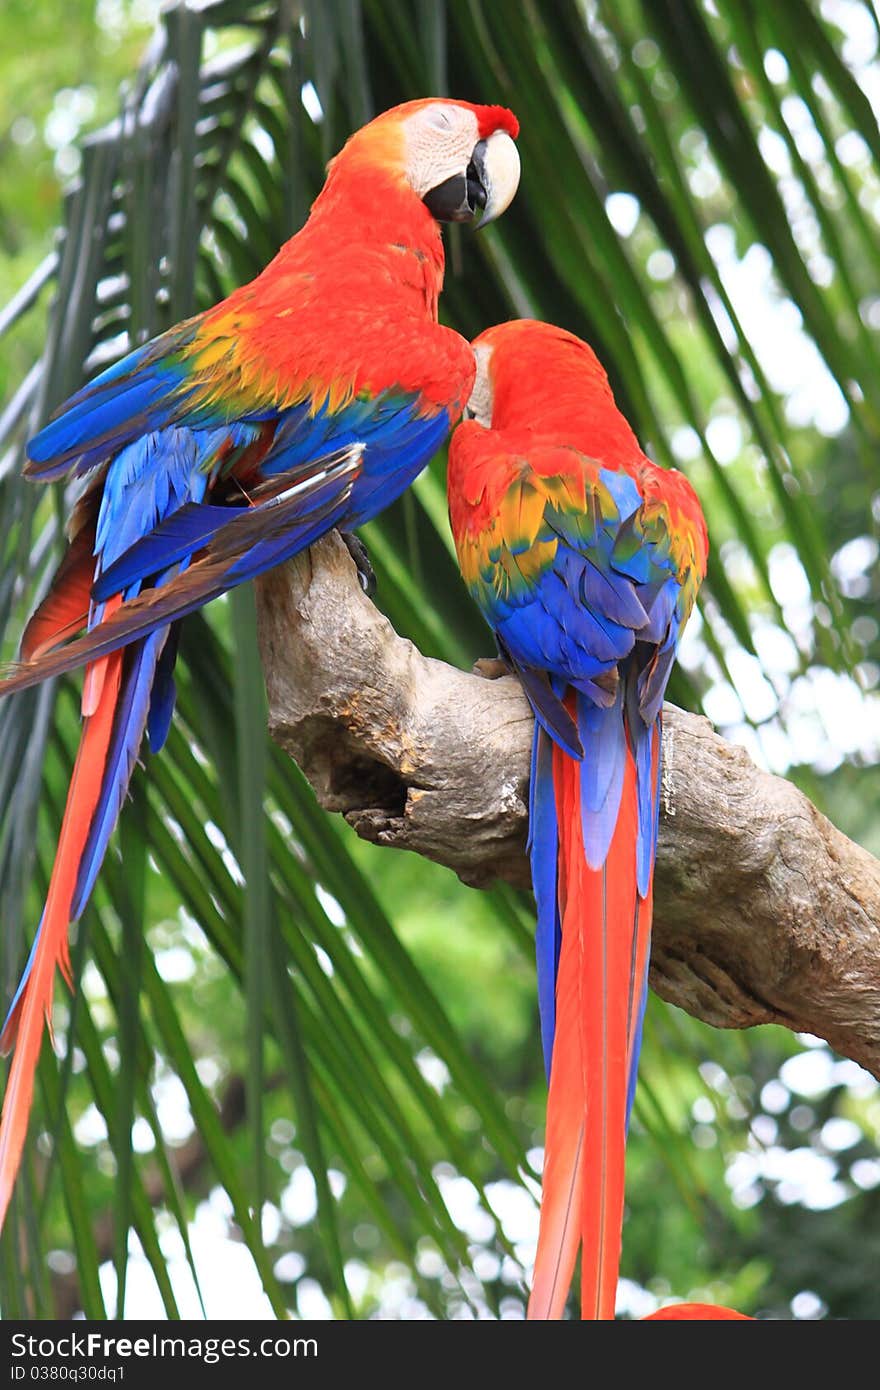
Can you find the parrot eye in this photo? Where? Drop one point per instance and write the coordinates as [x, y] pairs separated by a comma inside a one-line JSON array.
[[469, 413], [439, 118]]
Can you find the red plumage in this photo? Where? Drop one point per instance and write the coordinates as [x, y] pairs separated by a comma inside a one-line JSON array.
[[65, 609], [321, 388], [25, 1021], [605, 935], [585, 558]]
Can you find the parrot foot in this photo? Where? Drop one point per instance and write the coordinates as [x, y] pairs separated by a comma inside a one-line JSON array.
[[492, 668], [358, 552]]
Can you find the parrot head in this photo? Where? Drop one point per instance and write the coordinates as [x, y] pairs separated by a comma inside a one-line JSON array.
[[538, 377], [526, 367], [459, 159]]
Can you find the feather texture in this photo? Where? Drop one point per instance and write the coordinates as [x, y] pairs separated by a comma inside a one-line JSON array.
[[308, 399], [33, 1001], [585, 558]]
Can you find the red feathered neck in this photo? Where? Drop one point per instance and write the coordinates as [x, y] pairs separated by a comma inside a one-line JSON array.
[[362, 203], [368, 238]]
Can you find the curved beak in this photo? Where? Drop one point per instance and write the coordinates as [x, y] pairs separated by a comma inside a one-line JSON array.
[[496, 165], [489, 183]]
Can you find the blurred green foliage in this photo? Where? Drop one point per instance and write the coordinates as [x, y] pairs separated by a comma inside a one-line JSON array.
[[61, 66]]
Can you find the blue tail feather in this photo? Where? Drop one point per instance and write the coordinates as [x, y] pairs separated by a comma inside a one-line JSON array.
[[641, 1003], [646, 844], [642, 741], [164, 693], [543, 852], [603, 736], [128, 728], [25, 976]]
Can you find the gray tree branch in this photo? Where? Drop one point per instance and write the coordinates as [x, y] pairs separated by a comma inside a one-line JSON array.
[[764, 912]]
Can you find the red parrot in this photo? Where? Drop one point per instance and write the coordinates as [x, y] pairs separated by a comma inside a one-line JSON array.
[[695, 1312], [309, 398], [585, 558]]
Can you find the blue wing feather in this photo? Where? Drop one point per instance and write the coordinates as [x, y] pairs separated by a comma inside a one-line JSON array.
[[136, 395], [184, 533]]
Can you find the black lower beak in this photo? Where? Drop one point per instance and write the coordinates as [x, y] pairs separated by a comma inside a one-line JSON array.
[[457, 199]]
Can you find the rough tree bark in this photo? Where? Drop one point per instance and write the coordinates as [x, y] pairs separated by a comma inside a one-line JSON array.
[[764, 912]]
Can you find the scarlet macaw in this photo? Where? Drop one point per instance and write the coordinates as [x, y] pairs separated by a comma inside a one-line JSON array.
[[309, 398], [585, 558]]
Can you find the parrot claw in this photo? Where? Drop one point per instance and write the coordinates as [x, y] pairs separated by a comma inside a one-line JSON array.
[[492, 668], [358, 552]]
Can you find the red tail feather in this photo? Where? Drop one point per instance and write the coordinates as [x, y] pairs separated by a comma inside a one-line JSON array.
[[561, 1202], [25, 1025], [65, 609], [605, 933]]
